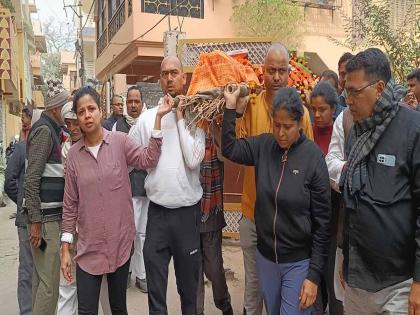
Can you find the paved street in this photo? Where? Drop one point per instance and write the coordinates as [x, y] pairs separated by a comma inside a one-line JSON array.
[[137, 301]]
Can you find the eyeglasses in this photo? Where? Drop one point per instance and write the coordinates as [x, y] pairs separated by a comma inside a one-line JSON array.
[[356, 92]]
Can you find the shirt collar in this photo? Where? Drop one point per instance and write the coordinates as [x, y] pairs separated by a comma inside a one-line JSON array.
[[106, 139]]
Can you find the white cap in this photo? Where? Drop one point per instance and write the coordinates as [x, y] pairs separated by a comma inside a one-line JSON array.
[[67, 111]]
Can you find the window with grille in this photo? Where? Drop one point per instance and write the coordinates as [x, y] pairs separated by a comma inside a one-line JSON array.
[[189, 8], [113, 6], [102, 18], [400, 9]]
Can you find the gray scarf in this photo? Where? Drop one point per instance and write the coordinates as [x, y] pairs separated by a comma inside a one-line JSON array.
[[367, 133]]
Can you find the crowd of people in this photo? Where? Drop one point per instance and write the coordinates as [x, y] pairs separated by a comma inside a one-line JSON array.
[[330, 201]]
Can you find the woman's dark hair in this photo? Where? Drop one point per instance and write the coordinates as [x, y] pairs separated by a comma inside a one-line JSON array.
[[86, 90], [27, 112], [327, 91], [288, 99]]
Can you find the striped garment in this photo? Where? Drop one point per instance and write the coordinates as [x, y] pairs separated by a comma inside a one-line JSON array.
[[367, 133], [211, 175]]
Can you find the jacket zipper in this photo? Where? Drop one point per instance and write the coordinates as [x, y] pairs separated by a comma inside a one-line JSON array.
[[283, 160]]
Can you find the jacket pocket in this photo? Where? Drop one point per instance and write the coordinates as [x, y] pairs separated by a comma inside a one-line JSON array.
[[384, 183]]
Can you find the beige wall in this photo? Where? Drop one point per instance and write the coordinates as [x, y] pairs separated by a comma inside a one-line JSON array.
[[68, 64], [67, 57], [38, 98], [319, 25], [13, 125], [68, 81], [36, 64]]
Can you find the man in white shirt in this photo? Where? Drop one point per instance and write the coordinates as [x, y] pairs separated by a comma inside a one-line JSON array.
[[336, 160], [174, 191], [140, 202]]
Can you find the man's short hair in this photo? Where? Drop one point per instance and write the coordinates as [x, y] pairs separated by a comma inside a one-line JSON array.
[[329, 74], [117, 95], [415, 74], [374, 62], [134, 87], [344, 58]]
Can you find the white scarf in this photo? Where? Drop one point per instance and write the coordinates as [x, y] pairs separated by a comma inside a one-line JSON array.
[[132, 121]]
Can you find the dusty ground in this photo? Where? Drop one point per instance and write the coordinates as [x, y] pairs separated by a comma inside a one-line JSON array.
[[137, 302]]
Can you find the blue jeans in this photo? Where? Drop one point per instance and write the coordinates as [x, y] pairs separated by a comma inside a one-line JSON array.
[[281, 284]]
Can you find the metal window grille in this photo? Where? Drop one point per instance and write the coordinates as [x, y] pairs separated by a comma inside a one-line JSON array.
[[189, 50]]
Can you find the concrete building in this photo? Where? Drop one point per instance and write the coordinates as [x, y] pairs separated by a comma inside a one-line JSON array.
[[129, 42], [20, 46], [129, 34], [68, 68], [41, 47]]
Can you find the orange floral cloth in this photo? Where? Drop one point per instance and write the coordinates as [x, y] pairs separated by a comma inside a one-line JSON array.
[[216, 69]]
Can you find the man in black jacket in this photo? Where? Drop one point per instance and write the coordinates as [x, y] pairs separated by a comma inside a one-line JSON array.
[[117, 112], [13, 187], [381, 191]]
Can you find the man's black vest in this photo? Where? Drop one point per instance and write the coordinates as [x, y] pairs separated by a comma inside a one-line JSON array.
[[137, 177], [52, 180]]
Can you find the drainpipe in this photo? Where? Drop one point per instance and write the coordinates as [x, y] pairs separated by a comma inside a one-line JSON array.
[[3, 127], [107, 98]]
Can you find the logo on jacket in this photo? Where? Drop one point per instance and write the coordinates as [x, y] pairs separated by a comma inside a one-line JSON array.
[[195, 251]]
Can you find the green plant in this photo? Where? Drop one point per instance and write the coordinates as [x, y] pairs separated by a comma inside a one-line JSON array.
[[277, 19], [8, 5], [51, 66], [373, 23]]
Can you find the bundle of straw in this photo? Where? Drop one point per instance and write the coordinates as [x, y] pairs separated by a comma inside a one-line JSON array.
[[206, 105]]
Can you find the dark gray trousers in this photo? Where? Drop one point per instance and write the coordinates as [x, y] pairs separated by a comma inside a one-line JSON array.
[[212, 266]]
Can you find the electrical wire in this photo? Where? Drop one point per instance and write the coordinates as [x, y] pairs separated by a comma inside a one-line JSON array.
[[177, 16], [152, 28], [87, 18]]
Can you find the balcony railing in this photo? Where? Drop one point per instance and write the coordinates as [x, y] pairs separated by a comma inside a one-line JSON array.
[[130, 7], [101, 42], [116, 21]]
